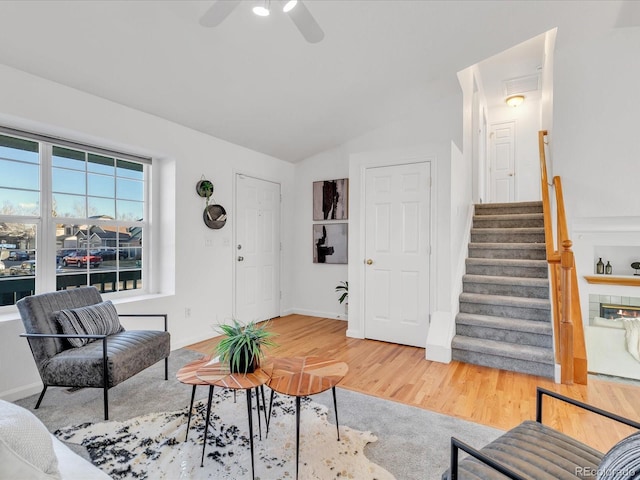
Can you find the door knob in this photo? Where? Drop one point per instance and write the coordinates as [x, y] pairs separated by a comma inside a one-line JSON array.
[[369, 261], [240, 258]]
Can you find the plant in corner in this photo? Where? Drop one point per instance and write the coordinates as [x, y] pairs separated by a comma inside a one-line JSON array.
[[344, 288], [242, 346]]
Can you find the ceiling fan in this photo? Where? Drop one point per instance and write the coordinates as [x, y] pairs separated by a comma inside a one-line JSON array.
[[295, 9]]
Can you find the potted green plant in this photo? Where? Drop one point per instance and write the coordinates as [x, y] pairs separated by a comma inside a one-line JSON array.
[[343, 287], [242, 346]]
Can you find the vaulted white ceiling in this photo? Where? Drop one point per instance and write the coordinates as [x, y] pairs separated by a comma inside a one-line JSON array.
[[256, 82]]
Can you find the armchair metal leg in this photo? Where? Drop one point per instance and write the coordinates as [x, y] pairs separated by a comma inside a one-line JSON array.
[[166, 368], [40, 398], [106, 402]]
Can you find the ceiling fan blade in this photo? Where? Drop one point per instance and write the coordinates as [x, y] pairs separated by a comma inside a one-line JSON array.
[[216, 14], [305, 22]]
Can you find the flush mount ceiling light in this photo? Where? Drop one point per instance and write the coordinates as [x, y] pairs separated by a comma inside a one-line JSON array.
[[515, 100]]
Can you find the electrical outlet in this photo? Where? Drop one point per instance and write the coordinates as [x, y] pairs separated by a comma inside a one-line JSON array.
[[187, 312], [208, 242]]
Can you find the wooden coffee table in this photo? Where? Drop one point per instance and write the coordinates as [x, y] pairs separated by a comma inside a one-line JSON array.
[[219, 375], [303, 376]]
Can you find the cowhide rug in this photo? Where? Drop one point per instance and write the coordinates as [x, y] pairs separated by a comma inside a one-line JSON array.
[[153, 446]]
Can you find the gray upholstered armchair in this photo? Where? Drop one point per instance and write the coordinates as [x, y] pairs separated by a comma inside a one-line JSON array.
[[77, 341], [534, 451]]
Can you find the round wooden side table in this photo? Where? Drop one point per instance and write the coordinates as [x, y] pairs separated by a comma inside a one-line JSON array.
[[187, 375], [303, 376], [219, 375]]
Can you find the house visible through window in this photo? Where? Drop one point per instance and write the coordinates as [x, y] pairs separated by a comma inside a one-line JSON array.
[[69, 216]]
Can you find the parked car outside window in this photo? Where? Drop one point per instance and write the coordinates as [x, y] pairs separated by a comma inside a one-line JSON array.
[[16, 255], [80, 258], [25, 268], [110, 254]]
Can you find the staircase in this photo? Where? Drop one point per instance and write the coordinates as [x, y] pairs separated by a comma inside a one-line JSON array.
[[505, 311]]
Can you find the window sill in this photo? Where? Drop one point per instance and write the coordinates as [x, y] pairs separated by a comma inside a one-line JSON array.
[[12, 314]]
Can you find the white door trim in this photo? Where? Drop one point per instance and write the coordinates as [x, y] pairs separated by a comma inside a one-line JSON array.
[[358, 164]]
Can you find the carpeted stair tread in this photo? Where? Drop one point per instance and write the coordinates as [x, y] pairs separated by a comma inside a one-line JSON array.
[[508, 208], [513, 250], [507, 246], [516, 324], [519, 220], [508, 235], [519, 302], [522, 230], [502, 349], [507, 267], [523, 262], [500, 280], [529, 287]]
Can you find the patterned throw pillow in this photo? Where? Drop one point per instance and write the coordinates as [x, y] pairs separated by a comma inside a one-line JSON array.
[[98, 319], [622, 462]]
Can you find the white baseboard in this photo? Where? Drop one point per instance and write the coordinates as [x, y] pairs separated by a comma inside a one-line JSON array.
[[21, 392], [316, 313]]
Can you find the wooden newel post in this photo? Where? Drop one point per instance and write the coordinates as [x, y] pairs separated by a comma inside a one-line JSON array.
[[566, 319]]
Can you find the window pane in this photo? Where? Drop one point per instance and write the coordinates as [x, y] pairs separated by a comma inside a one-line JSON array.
[[68, 181], [131, 267], [69, 206], [102, 207], [101, 185], [19, 149], [130, 189], [19, 175], [130, 170], [17, 261], [65, 157], [19, 202], [100, 164], [130, 211]]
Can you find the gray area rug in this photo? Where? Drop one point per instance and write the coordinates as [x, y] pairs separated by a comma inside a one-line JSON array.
[[412, 443]]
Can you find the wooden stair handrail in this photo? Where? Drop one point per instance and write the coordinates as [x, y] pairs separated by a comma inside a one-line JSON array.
[[570, 348]]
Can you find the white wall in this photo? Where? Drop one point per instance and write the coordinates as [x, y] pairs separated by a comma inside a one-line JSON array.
[[314, 283], [595, 148], [194, 276], [428, 132], [596, 145]]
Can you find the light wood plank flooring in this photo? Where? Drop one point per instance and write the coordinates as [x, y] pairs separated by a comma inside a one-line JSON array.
[[483, 395]]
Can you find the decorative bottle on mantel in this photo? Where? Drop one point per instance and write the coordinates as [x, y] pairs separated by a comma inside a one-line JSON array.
[[600, 266], [608, 269]]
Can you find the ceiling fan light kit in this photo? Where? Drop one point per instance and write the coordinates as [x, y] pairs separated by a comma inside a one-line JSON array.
[[289, 5], [295, 9], [261, 11]]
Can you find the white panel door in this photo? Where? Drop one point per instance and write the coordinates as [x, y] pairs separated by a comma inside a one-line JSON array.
[[397, 246], [257, 249], [503, 162]]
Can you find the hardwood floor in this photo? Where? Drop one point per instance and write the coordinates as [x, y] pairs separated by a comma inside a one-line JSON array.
[[483, 395]]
